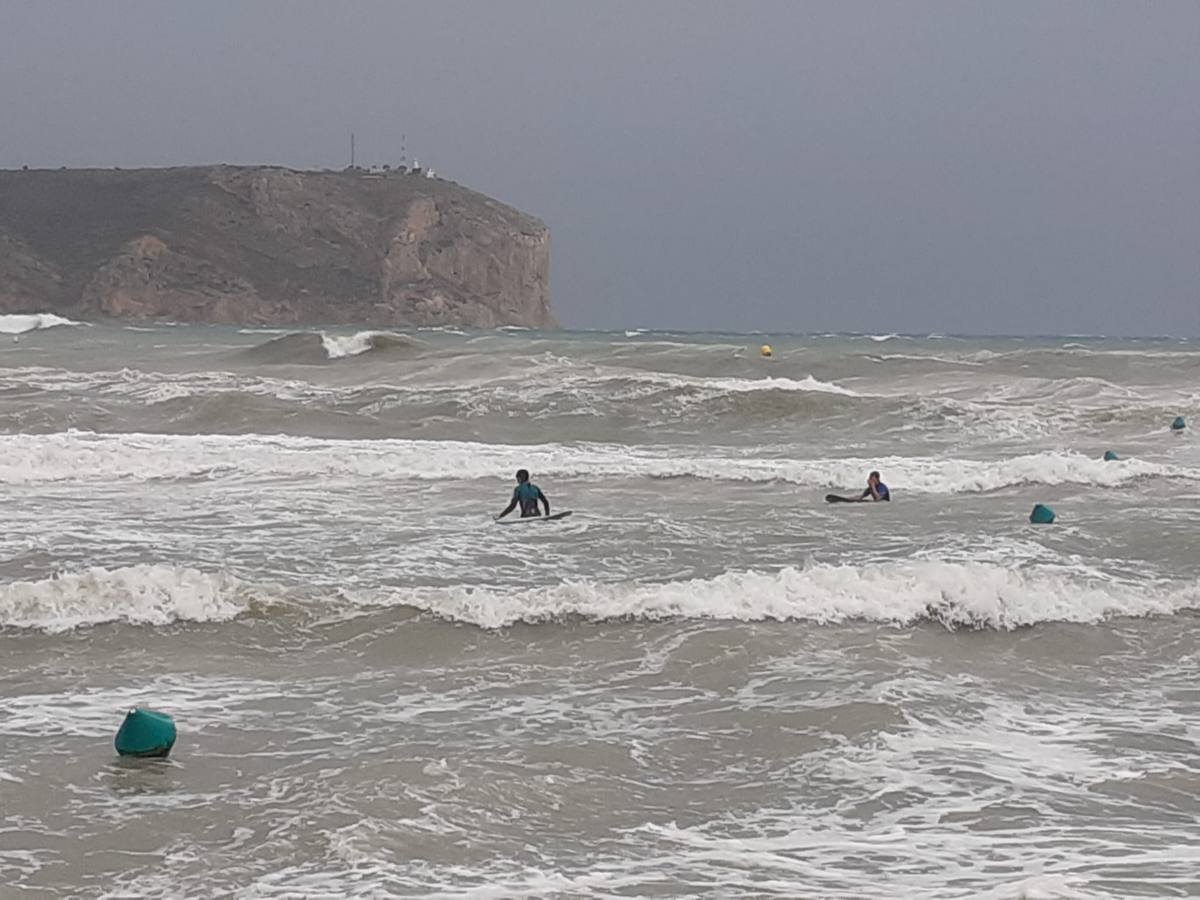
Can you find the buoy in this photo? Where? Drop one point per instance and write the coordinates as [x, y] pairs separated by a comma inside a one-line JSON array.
[[1109, 456], [1178, 424], [145, 733], [766, 350], [1041, 515]]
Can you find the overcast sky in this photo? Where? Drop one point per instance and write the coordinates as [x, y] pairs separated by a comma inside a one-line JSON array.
[[1003, 167]]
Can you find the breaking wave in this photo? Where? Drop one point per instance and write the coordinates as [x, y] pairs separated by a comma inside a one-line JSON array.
[[807, 384], [343, 346], [82, 456], [314, 348], [15, 323], [226, 402], [139, 595], [957, 595]]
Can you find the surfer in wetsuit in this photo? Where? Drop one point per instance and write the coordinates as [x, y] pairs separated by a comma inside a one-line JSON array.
[[876, 489], [527, 496]]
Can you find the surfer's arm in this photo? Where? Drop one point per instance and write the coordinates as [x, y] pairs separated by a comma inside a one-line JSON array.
[[511, 506], [545, 502]]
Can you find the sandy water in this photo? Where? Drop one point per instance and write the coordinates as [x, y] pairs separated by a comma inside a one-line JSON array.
[[706, 682]]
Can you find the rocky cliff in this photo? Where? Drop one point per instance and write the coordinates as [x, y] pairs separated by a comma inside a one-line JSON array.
[[242, 245]]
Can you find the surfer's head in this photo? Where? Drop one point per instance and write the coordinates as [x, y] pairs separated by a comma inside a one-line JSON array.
[[522, 475], [873, 478]]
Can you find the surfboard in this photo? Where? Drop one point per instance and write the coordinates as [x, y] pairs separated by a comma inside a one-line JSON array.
[[834, 498], [558, 516]]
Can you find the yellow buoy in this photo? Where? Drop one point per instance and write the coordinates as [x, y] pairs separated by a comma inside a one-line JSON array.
[[766, 350]]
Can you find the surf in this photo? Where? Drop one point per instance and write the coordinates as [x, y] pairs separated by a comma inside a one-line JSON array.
[[145, 594], [21, 323], [901, 594], [319, 347], [90, 456]]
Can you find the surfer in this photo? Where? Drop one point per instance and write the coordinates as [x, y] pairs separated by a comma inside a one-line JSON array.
[[527, 496], [876, 489]]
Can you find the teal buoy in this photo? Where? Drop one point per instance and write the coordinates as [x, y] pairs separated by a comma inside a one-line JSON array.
[[145, 733], [1041, 515], [1109, 456], [1178, 424]]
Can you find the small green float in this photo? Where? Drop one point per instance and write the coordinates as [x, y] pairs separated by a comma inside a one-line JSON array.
[[1041, 515], [145, 733]]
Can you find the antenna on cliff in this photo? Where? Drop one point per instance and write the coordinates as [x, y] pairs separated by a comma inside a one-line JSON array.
[[352, 149], [403, 154]]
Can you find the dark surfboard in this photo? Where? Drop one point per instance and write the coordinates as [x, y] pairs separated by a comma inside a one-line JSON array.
[[834, 498], [554, 518]]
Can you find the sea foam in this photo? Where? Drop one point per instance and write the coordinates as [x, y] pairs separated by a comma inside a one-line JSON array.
[[84, 456], [141, 595], [341, 346], [970, 595], [16, 323]]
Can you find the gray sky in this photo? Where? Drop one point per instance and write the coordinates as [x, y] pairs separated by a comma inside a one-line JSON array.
[[955, 167]]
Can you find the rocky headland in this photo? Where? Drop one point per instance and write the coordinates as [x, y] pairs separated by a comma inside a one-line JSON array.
[[268, 246]]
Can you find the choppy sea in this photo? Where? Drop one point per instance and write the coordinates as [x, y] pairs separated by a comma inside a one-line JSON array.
[[706, 682]]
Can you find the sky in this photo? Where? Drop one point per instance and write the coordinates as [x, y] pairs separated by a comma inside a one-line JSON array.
[[986, 168]]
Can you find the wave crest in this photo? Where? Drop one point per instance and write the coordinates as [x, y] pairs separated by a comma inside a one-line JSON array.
[[957, 595], [345, 346], [19, 323], [89, 456], [314, 348], [140, 595]]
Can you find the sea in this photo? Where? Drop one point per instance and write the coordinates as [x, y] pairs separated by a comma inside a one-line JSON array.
[[706, 682]]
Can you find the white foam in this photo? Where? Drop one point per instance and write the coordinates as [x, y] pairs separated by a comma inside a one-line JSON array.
[[748, 385], [924, 358], [154, 387], [88, 710], [85, 456], [974, 595], [992, 355], [342, 346], [595, 377], [612, 384], [21, 323], [141, 595]]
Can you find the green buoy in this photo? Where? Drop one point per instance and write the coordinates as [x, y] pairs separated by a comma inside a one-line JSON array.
[[1041, 515], [145, 733], [1109, 456], [1179, 424]]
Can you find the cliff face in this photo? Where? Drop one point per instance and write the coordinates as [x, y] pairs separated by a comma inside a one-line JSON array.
[[259, 245]]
